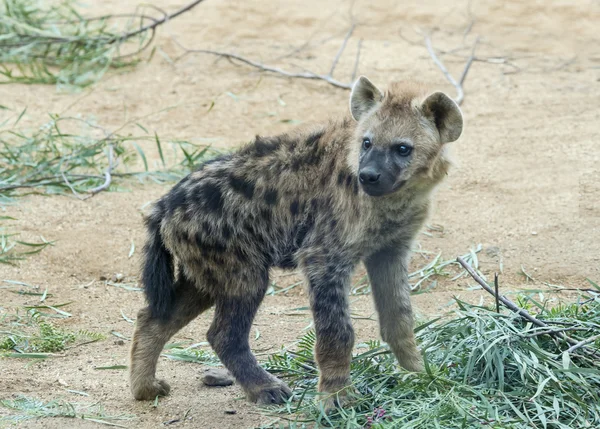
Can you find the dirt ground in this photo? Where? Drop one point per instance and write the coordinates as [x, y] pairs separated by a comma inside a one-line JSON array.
[[526, 184]]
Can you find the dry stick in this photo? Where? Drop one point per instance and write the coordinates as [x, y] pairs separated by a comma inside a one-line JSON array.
[[463, 76], [460, 95], [497, 293], [341, 50], [521, 312], [151, 27], [107, 174], [306, 75], [583, 343], [159, 21], [355, 70]]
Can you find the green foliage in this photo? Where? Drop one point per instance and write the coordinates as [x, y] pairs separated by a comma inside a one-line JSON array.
[[24, 408], [51, 43], [13, 250], [483, 369], [54, 161], [50, 160], [191, 354], [33, 335]]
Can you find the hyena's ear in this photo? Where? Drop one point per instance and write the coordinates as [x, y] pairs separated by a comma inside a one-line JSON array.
[[445, 114], [364, 97]]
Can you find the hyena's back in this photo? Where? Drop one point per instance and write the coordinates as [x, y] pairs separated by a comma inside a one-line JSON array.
[[246, 212]]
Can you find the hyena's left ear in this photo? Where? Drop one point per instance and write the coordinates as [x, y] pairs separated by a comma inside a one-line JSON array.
[[364, 97], [445, 114]]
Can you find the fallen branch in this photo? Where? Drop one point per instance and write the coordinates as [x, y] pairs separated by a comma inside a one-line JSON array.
[[522, 312], [341, 50], [583, 343], [307, 74], [107, 174], [110, 39], [161, 21], [460, 95]]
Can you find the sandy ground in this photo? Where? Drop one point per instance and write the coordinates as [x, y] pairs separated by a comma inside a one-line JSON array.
[[526, 185]]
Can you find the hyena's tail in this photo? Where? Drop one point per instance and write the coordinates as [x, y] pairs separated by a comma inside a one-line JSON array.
[[158, 272]]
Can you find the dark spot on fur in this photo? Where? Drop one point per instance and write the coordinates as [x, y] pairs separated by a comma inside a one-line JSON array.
[[349, 181], [219, 247], [266, 216], [242, 185], [177, 197], [264, 146], [226, 230], [211, 197], [271, 196], [333, 224], [209, 276], [288, 262], [240, 255], [314, 138], [302, 231], [180, 237], [294, 207], [341, 178]]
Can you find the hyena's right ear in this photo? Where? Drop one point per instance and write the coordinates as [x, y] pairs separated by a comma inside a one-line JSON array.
[[364, 97]]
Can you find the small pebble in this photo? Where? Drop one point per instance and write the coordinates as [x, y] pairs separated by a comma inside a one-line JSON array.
[[118, 277], [217, 377]]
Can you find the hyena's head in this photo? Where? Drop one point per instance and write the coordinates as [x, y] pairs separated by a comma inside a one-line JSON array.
[[400, 135]]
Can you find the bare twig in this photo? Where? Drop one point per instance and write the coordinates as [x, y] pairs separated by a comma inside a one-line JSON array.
[[107, 174], [520, 311], [158, 22], [355, 70], [583, 343], [463, 76], [552, 331], [341, 50], [460, 95], [306, 75], [75, 193], [109, 39], [497, 293]]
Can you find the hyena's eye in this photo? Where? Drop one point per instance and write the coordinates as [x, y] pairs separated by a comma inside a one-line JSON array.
[[366, 143], [404, 149]]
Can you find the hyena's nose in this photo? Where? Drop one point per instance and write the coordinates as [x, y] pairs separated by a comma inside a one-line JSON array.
[[369, 176]]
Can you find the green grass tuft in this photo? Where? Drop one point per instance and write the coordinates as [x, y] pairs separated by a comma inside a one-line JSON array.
[[24, 408], [32, 336], [483, 369]]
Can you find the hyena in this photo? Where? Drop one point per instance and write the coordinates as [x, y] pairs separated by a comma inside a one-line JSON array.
[[323, 200]]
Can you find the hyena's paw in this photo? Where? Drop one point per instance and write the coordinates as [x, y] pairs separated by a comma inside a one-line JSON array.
[[411, 361], [274, 393], [333, 401], [149, 389]]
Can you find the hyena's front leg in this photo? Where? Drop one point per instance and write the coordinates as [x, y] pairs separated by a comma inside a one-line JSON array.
[[328, 285], [388, 273]]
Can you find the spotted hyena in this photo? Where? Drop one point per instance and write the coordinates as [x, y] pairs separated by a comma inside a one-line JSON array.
[[356, 189]]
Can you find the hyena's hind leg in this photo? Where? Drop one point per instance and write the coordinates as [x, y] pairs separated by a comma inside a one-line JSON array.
[[235, 308], [151, 334]]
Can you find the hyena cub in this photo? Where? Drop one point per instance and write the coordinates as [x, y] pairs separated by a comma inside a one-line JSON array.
[[322, 200]]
